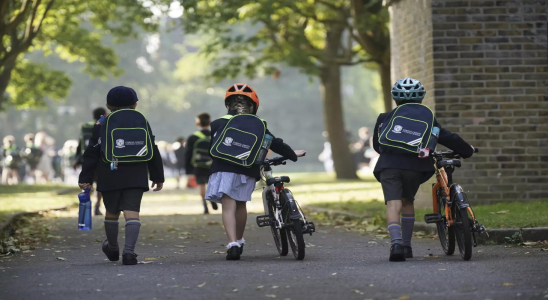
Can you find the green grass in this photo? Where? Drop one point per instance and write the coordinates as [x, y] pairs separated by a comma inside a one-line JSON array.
[[500, 215], [25, 198]]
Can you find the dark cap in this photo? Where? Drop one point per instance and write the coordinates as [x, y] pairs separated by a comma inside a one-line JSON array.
[[121, 96]]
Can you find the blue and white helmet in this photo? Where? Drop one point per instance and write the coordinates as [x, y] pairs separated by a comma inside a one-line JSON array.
[[408, 89]]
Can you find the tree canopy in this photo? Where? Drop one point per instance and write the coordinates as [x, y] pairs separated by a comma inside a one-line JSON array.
[[70, 29]]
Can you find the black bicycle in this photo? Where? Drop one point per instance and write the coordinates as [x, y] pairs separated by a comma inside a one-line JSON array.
[[282, 213], [452, 213]]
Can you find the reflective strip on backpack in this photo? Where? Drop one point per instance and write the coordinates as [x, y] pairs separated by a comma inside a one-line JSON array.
[[199, 134]]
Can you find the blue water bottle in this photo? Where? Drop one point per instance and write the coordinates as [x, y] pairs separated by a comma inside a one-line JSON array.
[[84, 215], [264, 149]]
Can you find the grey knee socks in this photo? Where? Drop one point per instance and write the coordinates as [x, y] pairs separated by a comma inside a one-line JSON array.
[[132, 233], [111, 230], [394, 229], [407, 224]]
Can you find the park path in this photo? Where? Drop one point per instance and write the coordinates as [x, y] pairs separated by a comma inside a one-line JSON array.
[[185, 260]]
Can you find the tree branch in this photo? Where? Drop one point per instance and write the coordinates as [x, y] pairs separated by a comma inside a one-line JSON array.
[[388, 3], [17, 19]]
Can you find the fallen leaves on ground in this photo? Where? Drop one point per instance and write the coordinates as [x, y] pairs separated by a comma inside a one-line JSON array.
[[508, 284], [150, 258], [404, 297], [61, 258], [270, 296], [218, 252], [202, 285]]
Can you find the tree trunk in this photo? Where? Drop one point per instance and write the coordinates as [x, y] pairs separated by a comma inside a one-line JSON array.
[[5, 77], [334, 122], [386, 83]]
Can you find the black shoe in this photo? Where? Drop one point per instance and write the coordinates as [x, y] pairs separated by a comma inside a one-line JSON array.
[[112, 255], [206, 211], [233, 253], [397, 253], [408, 251], [97, 211], [129, 259], [214, 206], [242, 249]]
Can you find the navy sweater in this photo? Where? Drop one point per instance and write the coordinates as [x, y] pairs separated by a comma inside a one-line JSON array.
[[412, 161], [220, 165]]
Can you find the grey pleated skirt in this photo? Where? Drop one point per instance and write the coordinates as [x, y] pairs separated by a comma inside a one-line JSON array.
[[237, 186]]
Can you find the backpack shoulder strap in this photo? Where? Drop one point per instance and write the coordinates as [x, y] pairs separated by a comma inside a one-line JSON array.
[[227, 117], [199, 134]]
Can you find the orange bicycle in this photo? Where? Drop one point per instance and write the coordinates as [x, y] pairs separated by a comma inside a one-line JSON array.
[[452, 213]]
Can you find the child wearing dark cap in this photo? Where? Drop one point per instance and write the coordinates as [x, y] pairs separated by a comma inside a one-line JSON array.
[[123, 188]]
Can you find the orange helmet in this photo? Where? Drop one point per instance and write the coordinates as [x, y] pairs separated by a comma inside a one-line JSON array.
[[243, 89]]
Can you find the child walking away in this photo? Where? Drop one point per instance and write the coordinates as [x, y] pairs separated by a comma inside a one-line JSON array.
[[86, 132], [403, 138], [197, 158], [122, 153], [237, 139]]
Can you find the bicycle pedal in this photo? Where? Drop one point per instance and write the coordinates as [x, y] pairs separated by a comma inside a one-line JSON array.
[[309, 228], [432, 218], [263, 221]]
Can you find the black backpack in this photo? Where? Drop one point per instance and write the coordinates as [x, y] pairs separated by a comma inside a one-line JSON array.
[[86, 132], [408, 128], [125, 137], [239, 142], [200, 152]]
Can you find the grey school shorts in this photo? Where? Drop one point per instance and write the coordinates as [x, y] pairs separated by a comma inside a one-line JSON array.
[[124, 199], [398, 184]]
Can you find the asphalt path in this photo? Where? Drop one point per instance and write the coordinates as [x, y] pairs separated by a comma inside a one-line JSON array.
[[184, 258]]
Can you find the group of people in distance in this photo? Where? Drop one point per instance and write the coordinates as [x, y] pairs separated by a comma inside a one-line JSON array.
[[224, 181]]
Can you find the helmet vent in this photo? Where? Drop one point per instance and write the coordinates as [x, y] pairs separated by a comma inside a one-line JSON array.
[[248, 90], [232, 89]]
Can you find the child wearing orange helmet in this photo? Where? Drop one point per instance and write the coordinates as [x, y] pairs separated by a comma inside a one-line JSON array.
[[231, 185]]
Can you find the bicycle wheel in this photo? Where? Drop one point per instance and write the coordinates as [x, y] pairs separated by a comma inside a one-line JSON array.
[[296, 239], [280, 236], [445, 234], [463, 232]]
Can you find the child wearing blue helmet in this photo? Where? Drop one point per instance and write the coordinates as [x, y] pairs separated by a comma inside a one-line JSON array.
[[401, 137]]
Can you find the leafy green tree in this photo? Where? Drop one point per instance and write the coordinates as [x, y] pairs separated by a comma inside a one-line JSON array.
[[70, 29], [313, 36]]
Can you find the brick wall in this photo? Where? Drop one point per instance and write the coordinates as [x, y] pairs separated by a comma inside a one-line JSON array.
[[490, 66]]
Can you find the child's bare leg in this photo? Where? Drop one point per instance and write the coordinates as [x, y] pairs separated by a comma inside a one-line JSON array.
[[407, 221], [98, 203], [393, 210], [202, 190], [133, 226], [241, 218], [229, 218], [15, 176]]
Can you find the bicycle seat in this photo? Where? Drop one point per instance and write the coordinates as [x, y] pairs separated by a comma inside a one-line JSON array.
[[271, 181], [449, 162]]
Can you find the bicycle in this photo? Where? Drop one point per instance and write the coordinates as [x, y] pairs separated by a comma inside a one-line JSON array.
[[282, 213], [452, 213]]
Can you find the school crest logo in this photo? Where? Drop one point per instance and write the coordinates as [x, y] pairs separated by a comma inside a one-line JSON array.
[[120, 143], [397, 129], [228, 141]]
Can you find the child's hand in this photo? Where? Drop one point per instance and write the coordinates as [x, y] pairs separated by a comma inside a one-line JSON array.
[[300, 153], [84, 186], [158, 186]]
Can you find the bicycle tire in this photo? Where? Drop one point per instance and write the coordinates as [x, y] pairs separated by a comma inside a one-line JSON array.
[[279, 235], [463, 233], [296, 239], [446, 234]]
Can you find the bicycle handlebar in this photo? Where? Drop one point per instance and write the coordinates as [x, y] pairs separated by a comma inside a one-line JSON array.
[[450, 153], [276, 161]]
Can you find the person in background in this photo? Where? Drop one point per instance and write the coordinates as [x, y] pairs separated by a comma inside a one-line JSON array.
[[68, 153], [31, 156], [179, 150], [83, 142], [201, 174], [11, 159], [44, 169], [326, 156]]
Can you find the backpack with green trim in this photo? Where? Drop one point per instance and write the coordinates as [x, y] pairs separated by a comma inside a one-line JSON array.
[[407, 129], [240, 141], [125, 137], [200, 152]]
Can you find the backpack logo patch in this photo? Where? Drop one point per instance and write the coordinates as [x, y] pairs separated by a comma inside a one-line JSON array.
[[228, 141], [397, 129], [120, 143]]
